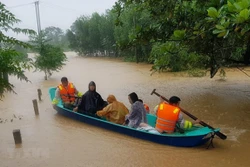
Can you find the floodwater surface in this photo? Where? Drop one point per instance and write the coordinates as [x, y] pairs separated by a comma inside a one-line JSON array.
[[53, 140]]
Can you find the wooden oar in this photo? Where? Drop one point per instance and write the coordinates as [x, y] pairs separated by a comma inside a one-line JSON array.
[[221, 135]]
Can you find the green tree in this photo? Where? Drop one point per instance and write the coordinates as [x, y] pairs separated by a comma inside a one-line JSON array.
[[106, 28], [78, 36], [128, 33], [23, 53], [230, 23], [92, 35], [50, 58], [11, 61], [56, 37], [204, 28]]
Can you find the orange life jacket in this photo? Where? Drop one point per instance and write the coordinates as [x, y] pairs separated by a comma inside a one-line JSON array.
[[167, 116], [67, 94]]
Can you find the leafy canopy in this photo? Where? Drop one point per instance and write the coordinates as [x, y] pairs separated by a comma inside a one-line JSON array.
[[12, 62], [50, 58]]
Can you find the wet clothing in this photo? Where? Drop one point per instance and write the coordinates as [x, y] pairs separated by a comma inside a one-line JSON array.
[[91, 102], [137, 115], [114, 112]]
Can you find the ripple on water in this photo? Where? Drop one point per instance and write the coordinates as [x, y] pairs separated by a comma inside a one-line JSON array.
[[233, 134]]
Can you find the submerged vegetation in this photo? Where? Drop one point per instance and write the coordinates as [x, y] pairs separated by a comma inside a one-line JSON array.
[[49, 57], [13, 60], [173, 35]]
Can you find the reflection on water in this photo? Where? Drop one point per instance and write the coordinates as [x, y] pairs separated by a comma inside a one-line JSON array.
[[54, 140]]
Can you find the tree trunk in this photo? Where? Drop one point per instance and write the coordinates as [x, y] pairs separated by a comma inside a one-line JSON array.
[[5, 76], [246, 56], [46, 76], [136, 55]]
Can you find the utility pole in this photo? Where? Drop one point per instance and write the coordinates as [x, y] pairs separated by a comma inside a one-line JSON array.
[[38, 17]]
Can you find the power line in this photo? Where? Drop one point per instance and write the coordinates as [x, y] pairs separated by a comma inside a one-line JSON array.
[[11, 7], [49, 4]]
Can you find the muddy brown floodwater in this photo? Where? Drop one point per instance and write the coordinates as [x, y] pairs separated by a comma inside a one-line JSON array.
[[52, 140]]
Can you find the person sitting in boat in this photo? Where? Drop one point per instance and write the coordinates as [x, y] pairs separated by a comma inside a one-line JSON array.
[[66, 92], [145, 106], [169, 116], [91, 101], [114, 112], [137, 113]]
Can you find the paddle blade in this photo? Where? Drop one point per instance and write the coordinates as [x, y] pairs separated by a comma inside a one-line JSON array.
[[221, 135]]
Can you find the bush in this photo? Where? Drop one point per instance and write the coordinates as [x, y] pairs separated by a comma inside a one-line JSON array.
[[170, 56]]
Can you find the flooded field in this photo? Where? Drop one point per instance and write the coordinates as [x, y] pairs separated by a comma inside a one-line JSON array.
[[53, 140]]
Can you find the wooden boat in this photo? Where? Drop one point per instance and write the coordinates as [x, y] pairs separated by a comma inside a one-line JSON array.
[[193, 137]]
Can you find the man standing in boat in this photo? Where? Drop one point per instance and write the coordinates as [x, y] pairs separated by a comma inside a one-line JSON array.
[[68, 93], [169, 117]]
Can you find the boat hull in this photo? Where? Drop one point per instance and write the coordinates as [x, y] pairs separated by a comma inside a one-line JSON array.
[[188, 139]]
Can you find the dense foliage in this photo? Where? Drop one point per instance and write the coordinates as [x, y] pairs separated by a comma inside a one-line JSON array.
[[217, 30], [13, 61], [56, 37], [49, 58], [172, 34], [92, 35]]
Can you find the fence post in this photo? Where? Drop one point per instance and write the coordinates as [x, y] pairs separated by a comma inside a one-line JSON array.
[[35, 106], [17, 136], [39, 94]]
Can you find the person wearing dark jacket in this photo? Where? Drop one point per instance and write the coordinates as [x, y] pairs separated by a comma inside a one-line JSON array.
[[91, 101]]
